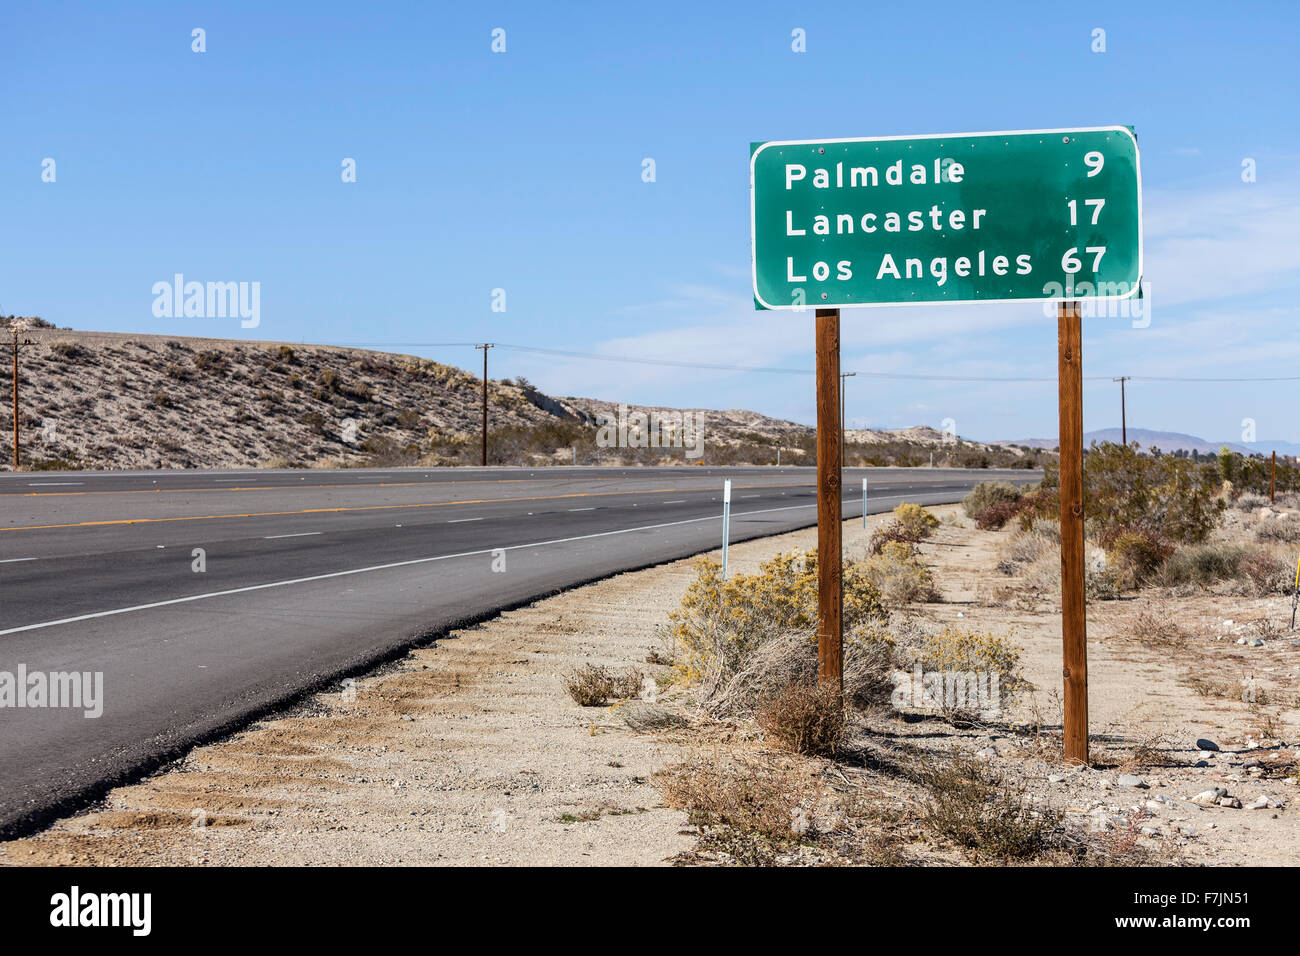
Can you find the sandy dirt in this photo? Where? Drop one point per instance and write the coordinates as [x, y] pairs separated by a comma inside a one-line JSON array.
[[471, 753]]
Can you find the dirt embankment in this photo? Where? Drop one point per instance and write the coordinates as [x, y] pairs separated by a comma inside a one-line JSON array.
[[112, 400]]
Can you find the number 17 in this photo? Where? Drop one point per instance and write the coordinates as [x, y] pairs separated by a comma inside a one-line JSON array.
[[1096, 205]]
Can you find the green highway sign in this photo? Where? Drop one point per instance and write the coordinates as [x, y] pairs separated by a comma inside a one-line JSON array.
[[968, 217]]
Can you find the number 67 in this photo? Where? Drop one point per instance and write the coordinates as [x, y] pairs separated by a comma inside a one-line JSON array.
[[1070, 263]]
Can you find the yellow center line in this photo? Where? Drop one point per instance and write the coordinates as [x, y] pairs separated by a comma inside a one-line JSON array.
[[422, 504], [361, 484]]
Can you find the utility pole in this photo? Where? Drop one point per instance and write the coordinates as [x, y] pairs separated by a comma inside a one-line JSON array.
[[485, 346], [1123, 416], [843, 376], [16, 328]]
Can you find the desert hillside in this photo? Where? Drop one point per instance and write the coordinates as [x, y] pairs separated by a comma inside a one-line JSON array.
[[117, 401]]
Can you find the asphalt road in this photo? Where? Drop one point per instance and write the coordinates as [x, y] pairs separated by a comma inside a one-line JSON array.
[[207, 598]]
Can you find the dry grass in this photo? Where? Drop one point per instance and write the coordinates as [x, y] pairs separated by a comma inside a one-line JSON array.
[[751, 810], [805, 717], [893, 533], [592, 686], [899, 576], [791, 658], [1154, 626], [986, 813]]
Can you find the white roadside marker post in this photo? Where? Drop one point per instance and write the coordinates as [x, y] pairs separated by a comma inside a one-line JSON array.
[[726, 523], [864, 502]]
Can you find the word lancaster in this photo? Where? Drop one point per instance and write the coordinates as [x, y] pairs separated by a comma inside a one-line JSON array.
[[971, 217]]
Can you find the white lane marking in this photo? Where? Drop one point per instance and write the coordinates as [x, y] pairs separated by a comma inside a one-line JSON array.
[[459, 520], [52, 484], [751, 496], [301, 534], [15, 560], [675, 501], [382, 567], [233, 479], [582, 509]]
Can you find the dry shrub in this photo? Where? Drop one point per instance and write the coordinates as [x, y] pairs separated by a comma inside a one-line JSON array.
[[1202, 565], [892, 533], [591, 685], [1278, 532], [915, 520], [988, 494], [1221, 689], [721, 623], [791, 658], [644, 718], [1268, 571], [1029, 545], [759, 804], [995, 516], [1135, 554], [961, 650], [899, 576], [807, 718], [1100, 580], [980, 810], [1176, 498], [1155, 627], [1041, 506], [1152, 748]]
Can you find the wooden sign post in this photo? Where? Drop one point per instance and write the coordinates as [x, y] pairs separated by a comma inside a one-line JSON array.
[[1074, 651], [1048, 215], [830, 596]]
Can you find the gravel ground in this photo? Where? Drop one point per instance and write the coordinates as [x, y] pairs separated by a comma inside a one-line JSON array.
[[471, 753]]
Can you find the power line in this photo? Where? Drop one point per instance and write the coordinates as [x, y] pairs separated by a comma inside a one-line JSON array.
[[720, 367]]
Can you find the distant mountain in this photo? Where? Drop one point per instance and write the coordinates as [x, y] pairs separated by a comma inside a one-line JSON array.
[[1167, 441]]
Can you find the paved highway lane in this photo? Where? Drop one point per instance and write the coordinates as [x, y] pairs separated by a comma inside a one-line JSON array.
[[305, 577]]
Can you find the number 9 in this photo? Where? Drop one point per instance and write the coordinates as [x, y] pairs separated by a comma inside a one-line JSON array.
[[1094, 161]]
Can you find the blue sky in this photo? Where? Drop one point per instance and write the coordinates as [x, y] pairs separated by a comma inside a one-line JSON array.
[[522, 171]]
